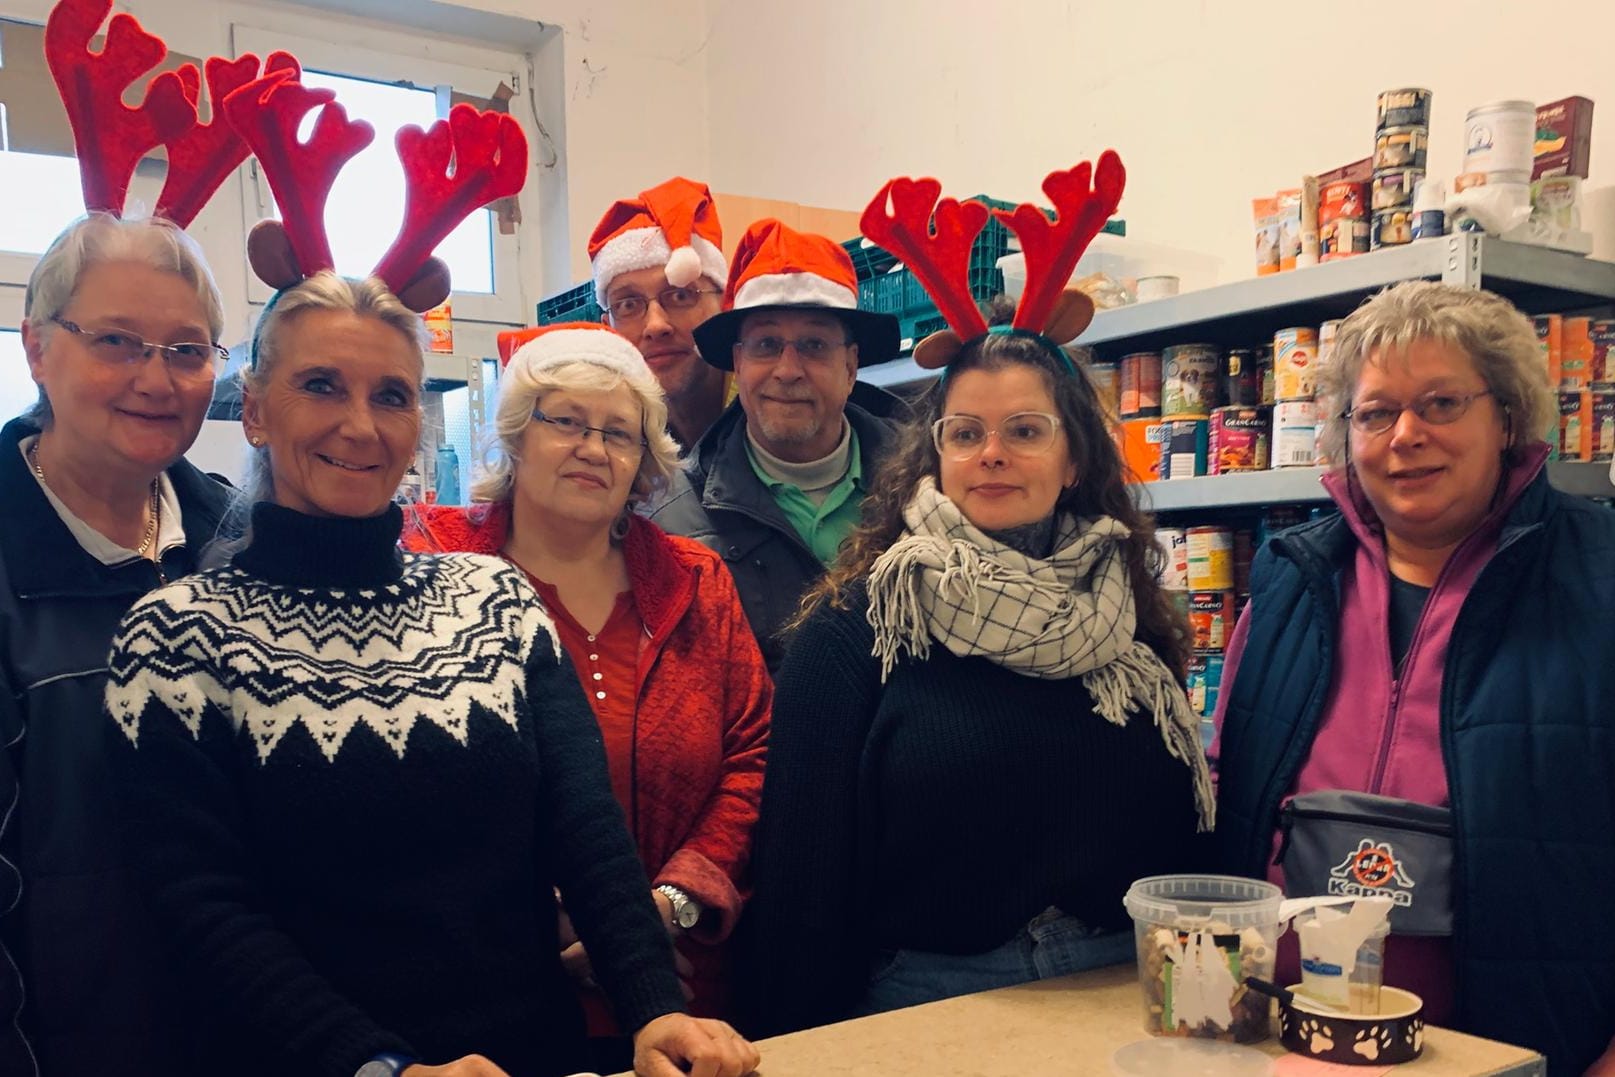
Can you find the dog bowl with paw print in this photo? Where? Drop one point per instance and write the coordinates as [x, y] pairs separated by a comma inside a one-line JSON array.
[[1393, 1035]]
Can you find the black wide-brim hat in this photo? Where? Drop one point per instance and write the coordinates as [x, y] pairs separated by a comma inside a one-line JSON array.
[[877, 335]]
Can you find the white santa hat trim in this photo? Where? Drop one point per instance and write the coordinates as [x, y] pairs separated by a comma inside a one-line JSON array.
[[599, 347], [794, 289], [643, 248]]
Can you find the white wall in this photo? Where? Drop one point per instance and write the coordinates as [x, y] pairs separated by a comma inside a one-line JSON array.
[[1209, 103]]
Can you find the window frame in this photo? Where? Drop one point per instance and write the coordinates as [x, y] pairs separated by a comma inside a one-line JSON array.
[[507, 304]]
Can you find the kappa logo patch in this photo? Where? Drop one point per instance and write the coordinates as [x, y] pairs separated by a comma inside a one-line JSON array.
[[1372, 870]]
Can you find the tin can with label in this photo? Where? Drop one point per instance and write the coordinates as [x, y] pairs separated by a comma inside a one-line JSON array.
[[1393, 188], [1575, 422], [1141, 448], [1241, 440], [1107, 387], [1342, 220], [1295, 433], [1211, 619], [1241, 381], [1264, 370], [1429, 223], [1211, 559], [1601, 411], [1500, 139], [1174, 544], [1183, 449], [1295, 367], [1189, 375], [1204, 685], [1392, 228], [1409, 107], [1141, 385], [1401, 147]]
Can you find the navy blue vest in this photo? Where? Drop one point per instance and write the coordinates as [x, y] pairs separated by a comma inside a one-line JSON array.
[[1528, 735]]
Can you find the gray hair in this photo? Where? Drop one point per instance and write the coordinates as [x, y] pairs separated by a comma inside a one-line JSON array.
[[1500, 341], [101, 237], [323, 291], [521, 389]]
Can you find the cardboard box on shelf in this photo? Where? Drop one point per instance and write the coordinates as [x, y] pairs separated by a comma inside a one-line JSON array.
[[1564, 137]]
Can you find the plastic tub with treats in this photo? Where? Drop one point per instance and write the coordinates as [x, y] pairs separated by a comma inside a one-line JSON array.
[[1198, 937]]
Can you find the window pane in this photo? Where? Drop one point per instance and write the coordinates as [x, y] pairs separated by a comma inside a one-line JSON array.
[[366, 206], [49, 187], [17, 389]]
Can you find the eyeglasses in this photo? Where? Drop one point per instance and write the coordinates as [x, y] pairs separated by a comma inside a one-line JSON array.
[[191, 359], [1026, 433], [571, 431], [808, 349], [631, 308], [1436, 408]]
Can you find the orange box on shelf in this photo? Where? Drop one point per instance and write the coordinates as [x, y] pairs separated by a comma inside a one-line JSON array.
[[1576, 362], [1141, 441], [1550, 335]]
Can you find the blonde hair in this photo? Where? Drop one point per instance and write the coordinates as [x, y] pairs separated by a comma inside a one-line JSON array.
[[100, 237], [1498, 339], [368, 298], [520, 390]]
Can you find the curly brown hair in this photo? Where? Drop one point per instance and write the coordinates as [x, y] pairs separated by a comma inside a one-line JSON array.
[[1101, 489]]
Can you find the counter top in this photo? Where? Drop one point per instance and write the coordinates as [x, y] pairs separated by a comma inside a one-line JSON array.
[[1067, 1027]]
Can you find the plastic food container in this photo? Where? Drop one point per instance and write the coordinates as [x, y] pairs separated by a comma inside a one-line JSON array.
[[1198, 937], [1357, 991]]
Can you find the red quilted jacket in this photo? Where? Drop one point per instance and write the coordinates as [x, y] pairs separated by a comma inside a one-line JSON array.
[[702, 727]]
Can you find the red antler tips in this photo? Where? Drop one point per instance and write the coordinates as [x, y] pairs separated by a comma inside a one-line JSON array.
[[266, 112], [450, 171], [109, 136], [1084, 199], [939, 257], [204, 156]]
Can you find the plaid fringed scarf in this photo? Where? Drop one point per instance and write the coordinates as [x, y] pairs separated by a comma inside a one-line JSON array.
[[1069, 615]]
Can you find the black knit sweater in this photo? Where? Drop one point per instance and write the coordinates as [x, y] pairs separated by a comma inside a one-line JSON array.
[[351, 780], [940, 812]]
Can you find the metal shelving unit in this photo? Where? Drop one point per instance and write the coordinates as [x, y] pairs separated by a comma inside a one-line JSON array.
[[1536, 279]]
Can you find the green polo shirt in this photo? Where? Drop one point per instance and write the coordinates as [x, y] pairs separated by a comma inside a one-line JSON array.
[[823, 527]]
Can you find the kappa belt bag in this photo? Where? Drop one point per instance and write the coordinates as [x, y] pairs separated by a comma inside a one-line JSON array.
[[1347, 844]]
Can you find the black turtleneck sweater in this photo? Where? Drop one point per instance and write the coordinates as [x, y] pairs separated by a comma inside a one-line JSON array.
[[351, 779]]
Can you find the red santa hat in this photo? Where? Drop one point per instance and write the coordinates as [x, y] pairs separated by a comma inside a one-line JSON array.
[[533, 350], [777, 267], [672, 225]]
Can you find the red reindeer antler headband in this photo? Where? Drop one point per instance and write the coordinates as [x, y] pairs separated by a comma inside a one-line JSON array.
[[451, 170], [933, 239], [111, 137]]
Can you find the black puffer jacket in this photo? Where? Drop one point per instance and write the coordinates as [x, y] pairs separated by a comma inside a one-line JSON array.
[[719, 501], [82, 987]]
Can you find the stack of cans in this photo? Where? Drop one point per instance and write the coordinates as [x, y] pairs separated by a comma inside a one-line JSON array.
[[1296, 419], [1191, 390], [1401, 141]]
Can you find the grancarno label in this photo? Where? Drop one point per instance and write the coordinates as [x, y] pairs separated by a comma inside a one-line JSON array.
[[1373, 870]]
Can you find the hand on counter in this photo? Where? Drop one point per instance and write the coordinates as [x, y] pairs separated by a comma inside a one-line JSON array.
[[469, 1066], [676, 1044]]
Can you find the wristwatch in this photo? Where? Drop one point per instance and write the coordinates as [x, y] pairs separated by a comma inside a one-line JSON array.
[[686, 910], [385, 1065]]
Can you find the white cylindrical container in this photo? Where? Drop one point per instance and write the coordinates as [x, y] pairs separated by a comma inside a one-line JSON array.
[[1295, 433], [1500, 140]]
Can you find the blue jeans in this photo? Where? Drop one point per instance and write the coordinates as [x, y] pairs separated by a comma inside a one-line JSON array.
[[1051, 945]]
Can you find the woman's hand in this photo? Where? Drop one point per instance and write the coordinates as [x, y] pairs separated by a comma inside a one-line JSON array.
[[469, 1066], [676, 1044]]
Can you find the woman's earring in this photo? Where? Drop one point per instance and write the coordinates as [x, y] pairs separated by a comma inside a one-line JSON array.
[[256, 441]]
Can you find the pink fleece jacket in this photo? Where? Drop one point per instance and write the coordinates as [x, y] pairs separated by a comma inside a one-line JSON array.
[[1380, 734]]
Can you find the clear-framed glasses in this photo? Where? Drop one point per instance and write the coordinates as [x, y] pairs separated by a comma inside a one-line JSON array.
[[808, 349], [631, 308], [1026, 433], [1437, 408], [616, 439], [190, 359]]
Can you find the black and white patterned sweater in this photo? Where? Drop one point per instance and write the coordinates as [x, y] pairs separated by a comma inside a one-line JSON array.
[[351, 779]]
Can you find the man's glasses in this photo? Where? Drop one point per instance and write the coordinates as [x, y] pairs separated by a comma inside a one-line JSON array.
[[1436, 408], [191, 359], [631, 308], [1026, 433], [809, 349], [571, 431]]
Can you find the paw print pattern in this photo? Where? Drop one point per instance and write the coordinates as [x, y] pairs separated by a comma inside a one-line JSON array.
[[1318, 1037], [1372, 1041], [1415, 1034]]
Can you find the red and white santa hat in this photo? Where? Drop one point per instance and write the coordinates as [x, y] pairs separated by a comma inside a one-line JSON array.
[[672, 225], [533, 350], [777, 267]]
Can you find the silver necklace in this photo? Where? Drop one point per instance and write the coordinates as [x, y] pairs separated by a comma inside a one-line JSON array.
[[156, 500]]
